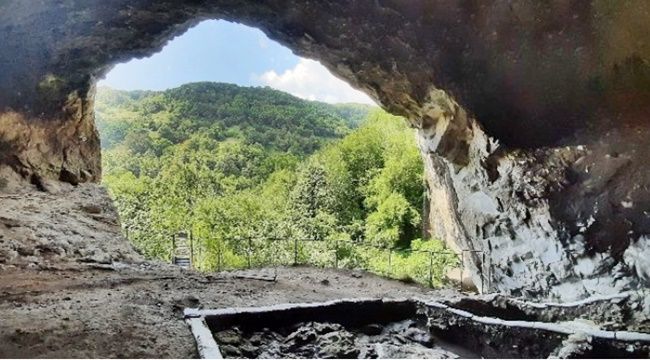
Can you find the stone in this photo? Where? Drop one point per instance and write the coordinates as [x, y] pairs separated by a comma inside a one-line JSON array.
[[230, 351], [324, 328], [300, 337], [91, 209], [248, 350], [230, 337], [419, 336], [337, 345], [255, 339], [372, 329], [575, 346]]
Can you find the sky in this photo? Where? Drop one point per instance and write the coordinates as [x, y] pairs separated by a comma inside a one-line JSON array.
[[217, 50]]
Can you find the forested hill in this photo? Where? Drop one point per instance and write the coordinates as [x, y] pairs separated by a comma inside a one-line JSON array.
[[153, 120], [227, 163]]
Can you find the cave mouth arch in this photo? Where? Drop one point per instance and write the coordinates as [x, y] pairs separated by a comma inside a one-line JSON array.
[[227, 52], [514, 68]]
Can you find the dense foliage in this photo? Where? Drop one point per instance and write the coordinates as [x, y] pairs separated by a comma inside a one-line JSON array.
[[151, 121], [252, 168]]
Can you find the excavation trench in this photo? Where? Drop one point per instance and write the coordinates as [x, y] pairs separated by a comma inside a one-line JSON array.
[[407, 328]]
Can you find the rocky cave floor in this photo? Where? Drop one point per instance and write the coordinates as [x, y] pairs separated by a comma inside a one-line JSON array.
[[71, 286], [136, 311], [406, 339]]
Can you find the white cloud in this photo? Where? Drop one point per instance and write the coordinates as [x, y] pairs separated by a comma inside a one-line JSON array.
[[312, 81]]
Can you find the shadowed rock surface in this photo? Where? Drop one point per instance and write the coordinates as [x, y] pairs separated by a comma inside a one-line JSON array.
[[533, 117], [403, 339], [464, 327]]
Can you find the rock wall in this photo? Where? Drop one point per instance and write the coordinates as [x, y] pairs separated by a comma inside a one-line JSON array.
[[65, 227], [557, 221], [500, 203], [533, 116]]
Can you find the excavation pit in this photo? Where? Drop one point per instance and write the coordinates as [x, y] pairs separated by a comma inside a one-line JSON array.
[[368, 328], [407, 328]]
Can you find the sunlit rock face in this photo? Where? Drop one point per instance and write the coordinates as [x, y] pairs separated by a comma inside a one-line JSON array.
[[533, 117]]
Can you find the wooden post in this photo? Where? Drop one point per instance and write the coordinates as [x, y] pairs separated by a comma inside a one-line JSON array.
[[275, 261], [199, 252], [462, 268], [336, 255], [250, 249], [483, 274], [191, 250], [219, 257], [431, 269], [173, 248], [295, 251], [489, 275], [390, 268]]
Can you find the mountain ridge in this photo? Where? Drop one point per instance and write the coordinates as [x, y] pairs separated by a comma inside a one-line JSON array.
[[255, 114]]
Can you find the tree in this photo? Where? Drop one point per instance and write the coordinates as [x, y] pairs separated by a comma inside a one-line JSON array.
[[311, 204], [240, 166]]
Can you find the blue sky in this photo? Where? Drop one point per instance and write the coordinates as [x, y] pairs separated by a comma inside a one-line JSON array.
[[217, 50]]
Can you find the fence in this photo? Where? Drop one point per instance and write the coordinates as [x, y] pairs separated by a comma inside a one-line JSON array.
[[428, 267]]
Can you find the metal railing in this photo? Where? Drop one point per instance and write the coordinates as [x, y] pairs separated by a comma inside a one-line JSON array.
[[484, 268], [280, 251]]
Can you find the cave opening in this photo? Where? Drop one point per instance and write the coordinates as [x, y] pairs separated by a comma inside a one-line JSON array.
[[534, 117], [226, 151]]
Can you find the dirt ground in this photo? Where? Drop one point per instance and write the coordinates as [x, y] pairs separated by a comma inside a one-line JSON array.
[[136, 311], [72, 286]]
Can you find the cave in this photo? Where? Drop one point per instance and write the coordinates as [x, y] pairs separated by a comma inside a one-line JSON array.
[[532, 117]]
